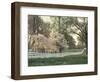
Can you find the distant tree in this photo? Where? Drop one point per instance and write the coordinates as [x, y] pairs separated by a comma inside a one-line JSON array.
[[63, 30], [44, 29], [34, 24], [37, 26], [78, 26]]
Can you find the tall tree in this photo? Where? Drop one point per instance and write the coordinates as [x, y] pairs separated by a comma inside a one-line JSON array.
[[37, 25], [34, 22], [78, 26]]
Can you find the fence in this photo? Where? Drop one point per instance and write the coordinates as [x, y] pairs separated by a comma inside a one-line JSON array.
[[48, 55]]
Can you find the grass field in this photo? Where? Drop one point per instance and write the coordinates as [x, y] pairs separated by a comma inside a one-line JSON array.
[[67, 60]]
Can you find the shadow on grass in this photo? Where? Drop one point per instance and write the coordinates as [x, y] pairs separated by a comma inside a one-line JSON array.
[[67, 60]]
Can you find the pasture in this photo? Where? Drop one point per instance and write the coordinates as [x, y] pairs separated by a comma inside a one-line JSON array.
[[71, 57]]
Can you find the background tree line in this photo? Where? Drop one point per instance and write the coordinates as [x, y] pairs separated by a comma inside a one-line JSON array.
[[62, 31]]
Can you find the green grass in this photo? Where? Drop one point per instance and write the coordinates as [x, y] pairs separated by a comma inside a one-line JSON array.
[[72, 50], [68, 60]]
